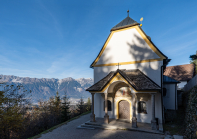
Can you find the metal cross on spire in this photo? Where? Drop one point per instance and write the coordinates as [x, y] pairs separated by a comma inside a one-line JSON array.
[[118, 65], [128, 12]]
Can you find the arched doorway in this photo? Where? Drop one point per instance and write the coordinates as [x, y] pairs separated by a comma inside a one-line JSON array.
[[124, 110]]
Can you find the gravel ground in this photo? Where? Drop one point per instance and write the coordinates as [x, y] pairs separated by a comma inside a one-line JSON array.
[[70, 131]]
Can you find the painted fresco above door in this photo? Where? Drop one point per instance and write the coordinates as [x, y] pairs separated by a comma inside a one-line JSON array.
[[123, 92]]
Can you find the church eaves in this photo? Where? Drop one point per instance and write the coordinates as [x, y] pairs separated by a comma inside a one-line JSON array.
[[169, 80], [127, 22], [134, 77]]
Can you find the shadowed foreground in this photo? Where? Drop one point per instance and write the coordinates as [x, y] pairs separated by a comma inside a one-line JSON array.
[[70, 131]]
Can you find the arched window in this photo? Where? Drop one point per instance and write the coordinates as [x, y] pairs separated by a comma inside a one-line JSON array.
[[142, 107], [109, 105]]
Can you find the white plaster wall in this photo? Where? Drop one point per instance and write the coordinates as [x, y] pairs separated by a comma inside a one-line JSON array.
[[169, 99], [126, 46], [182, 84], [145, 118], [151, 69], [110, 113], [158, 107], [97, 104]]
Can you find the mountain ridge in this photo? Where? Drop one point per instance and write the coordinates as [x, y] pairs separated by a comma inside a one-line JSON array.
[[44, 88]]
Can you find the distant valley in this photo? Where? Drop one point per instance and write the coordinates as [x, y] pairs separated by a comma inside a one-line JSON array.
[[44, 88]]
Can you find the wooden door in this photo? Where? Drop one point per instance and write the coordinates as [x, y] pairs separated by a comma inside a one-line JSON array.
[[124, 110]]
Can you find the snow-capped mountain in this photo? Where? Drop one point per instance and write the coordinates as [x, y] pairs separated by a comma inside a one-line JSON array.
[[45, 88]]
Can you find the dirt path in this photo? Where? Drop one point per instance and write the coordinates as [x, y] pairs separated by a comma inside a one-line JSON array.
[[69, 131]]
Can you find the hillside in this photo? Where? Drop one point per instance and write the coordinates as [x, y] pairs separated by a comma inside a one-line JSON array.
[[44, 88]]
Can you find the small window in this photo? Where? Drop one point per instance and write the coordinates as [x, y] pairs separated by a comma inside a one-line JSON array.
[[142, 107], [109, 105], [164, 92]]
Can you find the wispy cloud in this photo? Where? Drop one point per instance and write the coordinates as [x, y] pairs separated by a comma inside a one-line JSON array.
[[23, 73], [55, 66], [61, 63], [182, 48], [179, 27], [4, 60], [182, 37], [53, 17]]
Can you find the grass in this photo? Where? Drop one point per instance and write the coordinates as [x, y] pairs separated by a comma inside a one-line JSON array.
[[52, 128], [176, 127]]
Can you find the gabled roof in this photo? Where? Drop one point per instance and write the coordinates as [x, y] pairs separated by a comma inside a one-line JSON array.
[[135, 78], [167, 79], [180, 72], [127, 22]]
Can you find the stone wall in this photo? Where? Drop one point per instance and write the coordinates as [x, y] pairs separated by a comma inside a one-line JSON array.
[[191, 113]]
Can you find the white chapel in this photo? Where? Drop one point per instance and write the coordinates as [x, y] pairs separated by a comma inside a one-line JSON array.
[[128, 74]]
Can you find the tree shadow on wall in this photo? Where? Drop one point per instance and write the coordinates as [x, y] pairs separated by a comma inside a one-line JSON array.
[[143, 53]]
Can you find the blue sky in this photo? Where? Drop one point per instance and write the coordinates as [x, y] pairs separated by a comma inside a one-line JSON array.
[[59, 39]]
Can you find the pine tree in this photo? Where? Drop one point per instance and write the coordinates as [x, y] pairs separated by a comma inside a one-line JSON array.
[[1, 103], [12, 102], [80, 106], [65, 114], [193, 59], [57, 101], [58, 107], [88, 105], [51, 107]]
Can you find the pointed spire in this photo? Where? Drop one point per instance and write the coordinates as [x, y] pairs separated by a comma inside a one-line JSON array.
[[128, 21]]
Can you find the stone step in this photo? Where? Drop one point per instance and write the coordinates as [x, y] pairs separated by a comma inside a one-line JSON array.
[[94, 125], [98, 126], [83, 127]]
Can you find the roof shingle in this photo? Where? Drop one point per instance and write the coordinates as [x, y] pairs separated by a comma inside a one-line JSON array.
[[137, 79], [128, 21], [180, 72]]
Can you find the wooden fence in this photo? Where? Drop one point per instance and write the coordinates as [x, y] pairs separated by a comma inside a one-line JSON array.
[[190, 84]]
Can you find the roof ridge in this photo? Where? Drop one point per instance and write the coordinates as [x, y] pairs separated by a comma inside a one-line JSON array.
[[129, 80], [127, 23]]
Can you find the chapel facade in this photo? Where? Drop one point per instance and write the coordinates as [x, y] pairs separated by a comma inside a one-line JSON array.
[[128, 74]]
